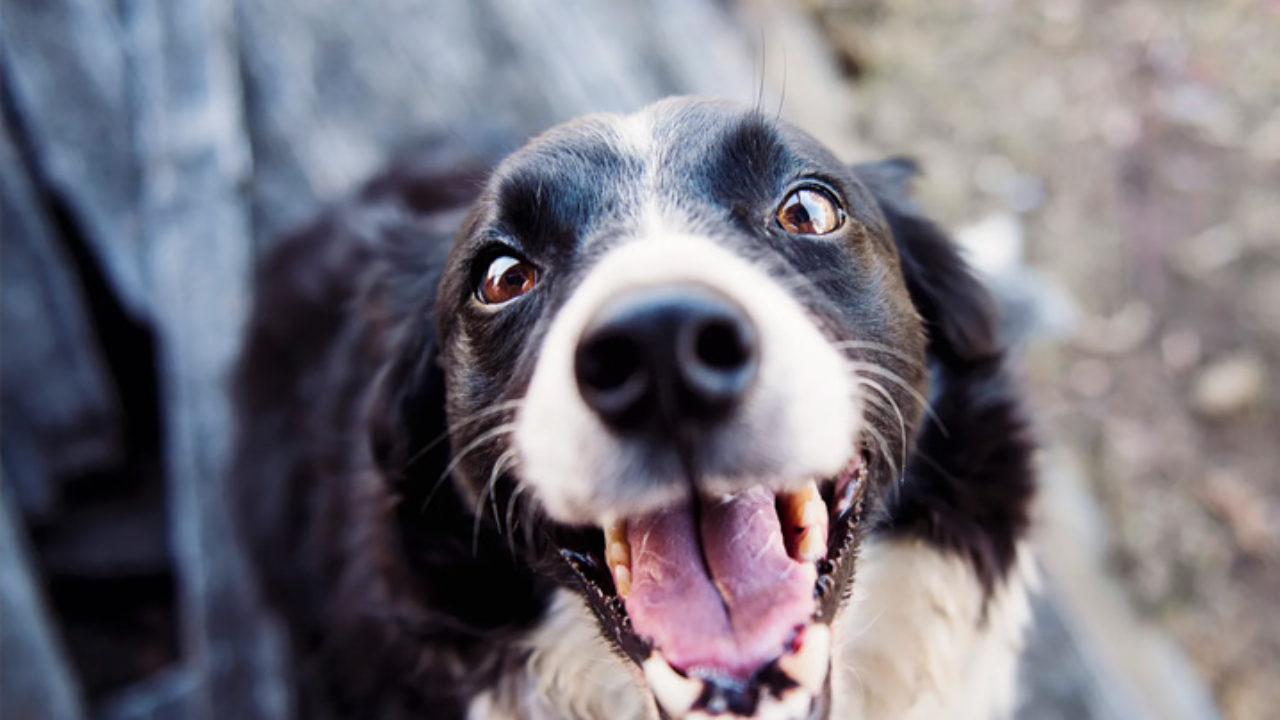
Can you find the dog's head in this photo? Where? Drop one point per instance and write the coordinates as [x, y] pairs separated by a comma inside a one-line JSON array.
[[683, 366]]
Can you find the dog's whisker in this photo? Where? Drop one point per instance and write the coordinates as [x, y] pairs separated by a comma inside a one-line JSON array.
[[875, 346], [464, 422], [884, 452], [471, 447], [498, 465], [782, 93], [504, 462], [896, 379], [511, 505], [893, 404]]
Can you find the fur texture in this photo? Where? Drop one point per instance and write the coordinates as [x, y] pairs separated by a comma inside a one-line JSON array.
[[417, 583]]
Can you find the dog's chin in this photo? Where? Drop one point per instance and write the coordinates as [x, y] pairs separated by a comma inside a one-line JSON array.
[[725, 603]]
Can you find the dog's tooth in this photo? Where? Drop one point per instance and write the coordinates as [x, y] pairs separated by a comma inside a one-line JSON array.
[[808, 493], [812, 545], [795, 501], [808, 664], [622, 581], [615, 531], [814, 513], [617, 555], [804, 516], [673, 691], [617, 551]]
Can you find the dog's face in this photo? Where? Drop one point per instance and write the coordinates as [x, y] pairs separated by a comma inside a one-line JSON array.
[[680, 361]]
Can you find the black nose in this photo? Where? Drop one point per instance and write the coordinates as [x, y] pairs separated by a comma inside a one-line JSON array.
[[664, 355]]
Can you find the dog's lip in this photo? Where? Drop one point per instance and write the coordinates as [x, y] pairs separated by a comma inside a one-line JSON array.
[[782, 683]]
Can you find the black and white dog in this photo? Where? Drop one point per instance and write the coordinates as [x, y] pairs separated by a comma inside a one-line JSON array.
[[671, 414]]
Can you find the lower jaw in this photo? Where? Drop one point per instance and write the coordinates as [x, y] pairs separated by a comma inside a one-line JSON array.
[[775, 692]]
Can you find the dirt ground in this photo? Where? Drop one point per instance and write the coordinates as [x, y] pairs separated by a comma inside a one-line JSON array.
[[1138, 144]]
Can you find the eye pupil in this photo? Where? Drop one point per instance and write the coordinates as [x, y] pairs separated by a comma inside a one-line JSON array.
[[506, 279], [799, 214], [809, 211], [514, 277]]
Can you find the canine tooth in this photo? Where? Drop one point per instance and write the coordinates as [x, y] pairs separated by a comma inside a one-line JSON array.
[[814, 512], [812, 545], [804, 515], [673, 691], [617, 555], [622, 581], [794, 503], [808, 664], [617, 551]]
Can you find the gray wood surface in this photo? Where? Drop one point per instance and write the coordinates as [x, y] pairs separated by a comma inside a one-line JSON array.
[[35, 679], [57, 403]]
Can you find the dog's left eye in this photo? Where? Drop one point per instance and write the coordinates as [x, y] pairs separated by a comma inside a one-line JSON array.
[[810, 211], [506, 279]]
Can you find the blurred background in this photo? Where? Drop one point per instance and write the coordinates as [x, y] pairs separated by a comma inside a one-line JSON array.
[[1111, 166]]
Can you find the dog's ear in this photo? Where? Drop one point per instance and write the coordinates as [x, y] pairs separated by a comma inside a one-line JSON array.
[[407, 426], [958, 312], [406, 411], [969, 485], [420, 201]]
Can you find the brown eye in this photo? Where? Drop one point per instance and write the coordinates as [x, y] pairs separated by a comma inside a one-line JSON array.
[[506, 279], [810, 211]]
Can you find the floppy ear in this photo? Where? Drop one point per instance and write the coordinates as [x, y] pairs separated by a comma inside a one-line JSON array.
[[422, 197], [970, 483], [407, 426], [406, 411], [958, 312]]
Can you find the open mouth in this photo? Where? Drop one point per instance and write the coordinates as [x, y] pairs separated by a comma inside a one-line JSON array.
[[726, 602]]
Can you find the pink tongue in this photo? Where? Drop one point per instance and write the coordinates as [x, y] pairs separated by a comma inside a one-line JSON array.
[[739, 618]]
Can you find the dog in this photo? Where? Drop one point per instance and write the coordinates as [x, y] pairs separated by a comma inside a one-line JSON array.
[[668, 415]]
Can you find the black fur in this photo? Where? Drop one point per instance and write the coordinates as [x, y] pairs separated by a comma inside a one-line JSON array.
[[400, 601], [970, 482], [392, 612]]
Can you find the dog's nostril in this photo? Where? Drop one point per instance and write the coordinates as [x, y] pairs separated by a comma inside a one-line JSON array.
[[716, 362], [720, 345], [607, 363], [612, 376]]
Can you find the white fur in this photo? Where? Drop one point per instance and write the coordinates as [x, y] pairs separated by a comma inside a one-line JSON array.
[[572, 673], [803, 408], [635, 133], [912, 644]]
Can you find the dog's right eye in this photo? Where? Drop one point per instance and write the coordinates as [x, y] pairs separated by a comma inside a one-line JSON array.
[[810, 211], [507, 278]]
